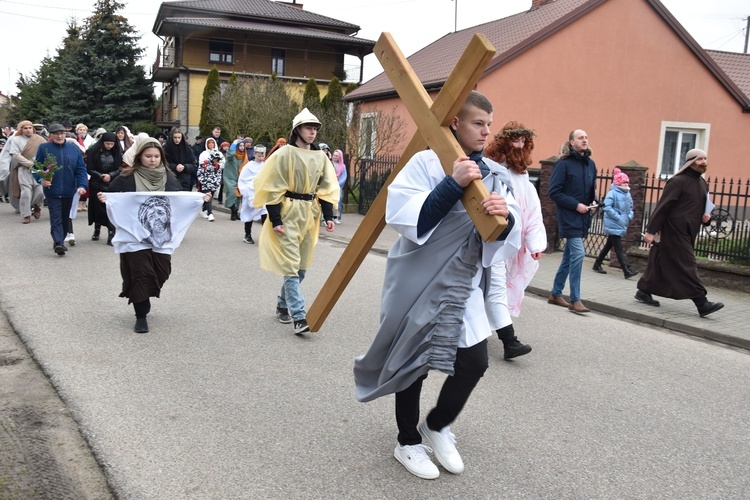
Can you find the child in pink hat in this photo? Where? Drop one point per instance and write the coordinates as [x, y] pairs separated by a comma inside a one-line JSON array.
[[618, 212]]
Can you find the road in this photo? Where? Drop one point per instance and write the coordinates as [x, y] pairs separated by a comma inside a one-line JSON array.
[[219, 400]]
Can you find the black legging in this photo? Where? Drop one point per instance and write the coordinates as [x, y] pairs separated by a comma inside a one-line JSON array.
[[613, 241], [469, 367]]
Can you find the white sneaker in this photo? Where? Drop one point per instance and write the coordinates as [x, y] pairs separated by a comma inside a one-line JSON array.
[[70, 239], [443, 442], [211, 218], [416, 460], [204, 214]]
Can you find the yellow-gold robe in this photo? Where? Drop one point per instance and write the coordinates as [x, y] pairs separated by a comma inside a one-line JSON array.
[[300, 171]]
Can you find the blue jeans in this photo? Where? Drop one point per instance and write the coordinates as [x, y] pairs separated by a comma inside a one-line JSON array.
[[291, 297], [570, 265], [59, 217]]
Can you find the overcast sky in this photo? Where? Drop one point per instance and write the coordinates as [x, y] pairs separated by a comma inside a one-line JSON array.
[[34, 30]]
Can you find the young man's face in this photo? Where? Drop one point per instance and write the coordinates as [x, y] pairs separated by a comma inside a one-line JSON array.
[[260, 157], [216, 132], [472, 127], [308, 132], [27, 130]]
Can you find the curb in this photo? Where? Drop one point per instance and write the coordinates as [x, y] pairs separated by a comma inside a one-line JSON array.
[[694, 331]]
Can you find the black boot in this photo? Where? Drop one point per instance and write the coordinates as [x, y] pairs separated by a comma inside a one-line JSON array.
[[513, 348], [110, 236], [95, 236], [235, 215], [629, 273], [598, 268]]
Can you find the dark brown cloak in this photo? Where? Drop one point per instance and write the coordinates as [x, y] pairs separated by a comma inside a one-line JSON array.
[[672, 270]]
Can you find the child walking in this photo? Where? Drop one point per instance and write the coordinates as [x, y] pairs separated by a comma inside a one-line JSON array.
[[618, 212]]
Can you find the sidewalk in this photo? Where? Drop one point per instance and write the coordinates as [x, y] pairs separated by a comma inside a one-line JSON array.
[[612, 294]]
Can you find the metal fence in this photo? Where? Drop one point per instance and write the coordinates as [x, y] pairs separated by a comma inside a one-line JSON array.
[[373, 172], [727, 237]]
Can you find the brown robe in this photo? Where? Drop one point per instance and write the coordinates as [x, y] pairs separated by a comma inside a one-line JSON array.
[[672, 270]]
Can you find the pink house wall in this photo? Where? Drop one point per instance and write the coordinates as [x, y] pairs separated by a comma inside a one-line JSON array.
[[617, 72]]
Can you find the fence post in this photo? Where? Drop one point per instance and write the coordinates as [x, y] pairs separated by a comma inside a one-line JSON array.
[[637, 174], [549, 211]]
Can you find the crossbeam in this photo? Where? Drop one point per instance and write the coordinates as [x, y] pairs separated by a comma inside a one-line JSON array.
[[447, 104]]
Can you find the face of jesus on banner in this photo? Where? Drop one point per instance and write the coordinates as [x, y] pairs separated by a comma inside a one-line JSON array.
[[155, 215]]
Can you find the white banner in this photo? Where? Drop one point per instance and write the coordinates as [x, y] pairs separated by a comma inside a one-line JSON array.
[[152, 219]]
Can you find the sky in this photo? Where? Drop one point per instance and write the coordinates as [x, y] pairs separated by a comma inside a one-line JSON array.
[[715, 24]]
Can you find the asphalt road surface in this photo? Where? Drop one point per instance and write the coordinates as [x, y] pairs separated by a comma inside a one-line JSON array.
[[219, 400]]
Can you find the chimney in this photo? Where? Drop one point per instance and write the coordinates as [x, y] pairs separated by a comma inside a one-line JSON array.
[[293, 3], [538, 3]]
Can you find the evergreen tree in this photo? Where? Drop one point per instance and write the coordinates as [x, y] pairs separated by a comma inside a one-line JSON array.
[[333, 117], [100, 79], [311, 96], [334, 96], [34, 99], [208, 120]]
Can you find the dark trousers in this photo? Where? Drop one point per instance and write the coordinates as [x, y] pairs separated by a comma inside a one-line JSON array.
[[613, 241], [208, 206], [59, 217], [249, 225], [471, 363]]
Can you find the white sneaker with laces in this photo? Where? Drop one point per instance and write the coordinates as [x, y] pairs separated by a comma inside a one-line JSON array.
[[443, 442], [70, 239], [416, 460], [204, 214], [211, 218]]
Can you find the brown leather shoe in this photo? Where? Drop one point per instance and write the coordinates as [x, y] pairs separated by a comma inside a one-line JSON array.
[[578, 307], [557, 300], [37, 212], [26, 220]]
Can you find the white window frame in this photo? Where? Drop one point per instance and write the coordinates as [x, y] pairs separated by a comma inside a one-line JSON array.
[[367, 143], [702, 131]]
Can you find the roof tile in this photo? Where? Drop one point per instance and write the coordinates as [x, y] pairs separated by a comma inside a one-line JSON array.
[[736, 66]]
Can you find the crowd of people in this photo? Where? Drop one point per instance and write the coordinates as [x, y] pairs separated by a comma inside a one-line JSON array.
[[445, 290]]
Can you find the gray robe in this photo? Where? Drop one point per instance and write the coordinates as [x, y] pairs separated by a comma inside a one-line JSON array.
[[428, 283]]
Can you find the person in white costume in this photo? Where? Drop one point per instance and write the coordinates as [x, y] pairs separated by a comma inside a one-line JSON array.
[[432, 307], [245, 185], [512, 148]]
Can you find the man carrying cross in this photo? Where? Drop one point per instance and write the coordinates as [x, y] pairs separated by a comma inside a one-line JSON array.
[[432, 307]]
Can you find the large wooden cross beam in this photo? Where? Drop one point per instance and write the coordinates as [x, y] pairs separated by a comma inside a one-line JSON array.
[[432, 120]]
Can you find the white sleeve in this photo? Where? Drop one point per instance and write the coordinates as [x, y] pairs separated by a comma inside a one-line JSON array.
[[408, 192]]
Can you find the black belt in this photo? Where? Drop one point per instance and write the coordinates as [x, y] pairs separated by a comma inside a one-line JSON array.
[[299, 196]]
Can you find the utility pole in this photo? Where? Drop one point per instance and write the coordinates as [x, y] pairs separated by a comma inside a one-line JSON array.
[[747, 31], [455, 21]]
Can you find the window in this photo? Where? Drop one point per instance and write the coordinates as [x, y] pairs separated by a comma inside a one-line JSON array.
[[367, 135], [677, 138], [278, 58], [220, 50]]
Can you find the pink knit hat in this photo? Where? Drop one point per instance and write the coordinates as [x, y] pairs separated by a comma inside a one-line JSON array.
[[620, 177]]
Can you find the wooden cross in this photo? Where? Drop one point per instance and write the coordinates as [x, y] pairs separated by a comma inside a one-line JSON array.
[[432, 120]]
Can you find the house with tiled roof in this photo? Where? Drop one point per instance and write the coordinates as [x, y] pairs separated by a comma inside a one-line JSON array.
[[625, 71], [248, 38]]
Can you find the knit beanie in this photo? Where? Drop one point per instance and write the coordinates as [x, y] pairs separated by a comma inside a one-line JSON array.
[[620, 177]]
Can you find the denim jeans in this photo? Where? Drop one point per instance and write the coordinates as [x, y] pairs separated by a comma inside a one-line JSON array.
[[570, 265], [291, 297], [59, 217]]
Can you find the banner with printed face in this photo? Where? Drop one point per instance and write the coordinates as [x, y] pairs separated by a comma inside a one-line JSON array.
[[156, 220]]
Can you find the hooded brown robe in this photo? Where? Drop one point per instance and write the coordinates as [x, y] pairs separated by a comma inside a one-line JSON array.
[[672, 270]]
